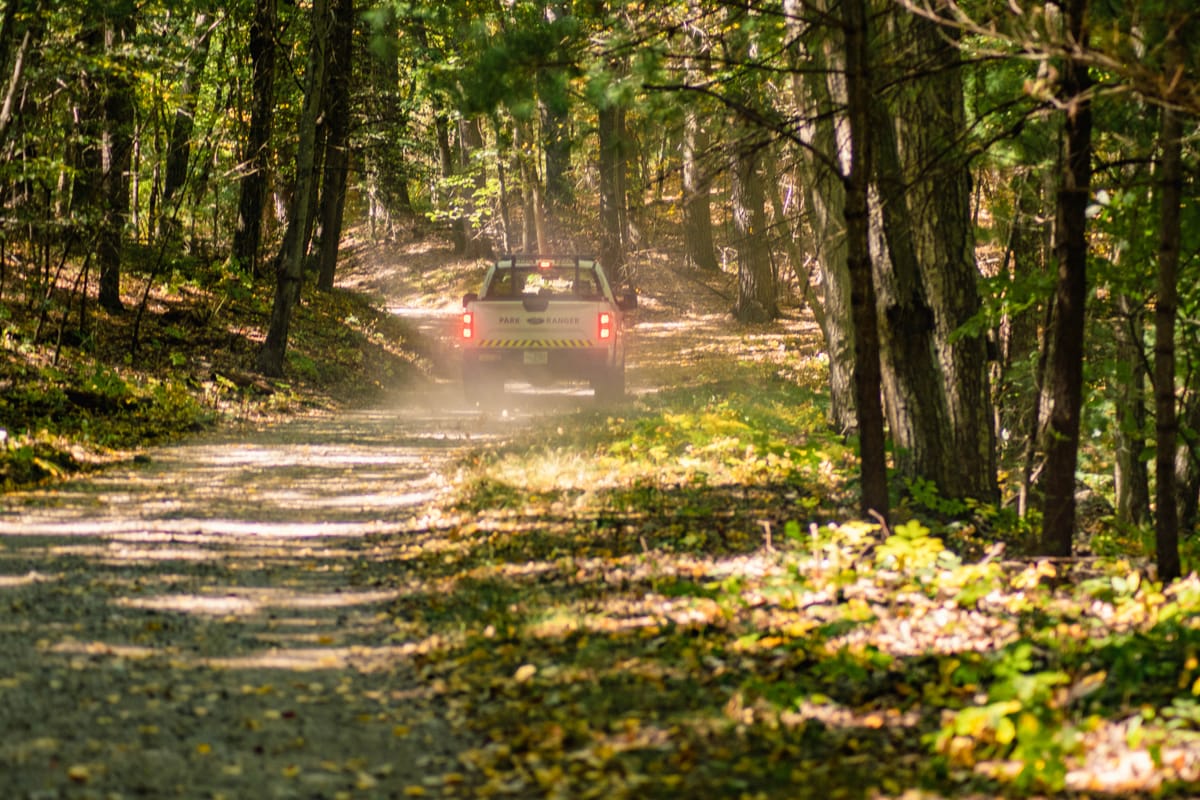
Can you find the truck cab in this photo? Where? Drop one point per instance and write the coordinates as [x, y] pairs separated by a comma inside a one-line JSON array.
[[544, 319]]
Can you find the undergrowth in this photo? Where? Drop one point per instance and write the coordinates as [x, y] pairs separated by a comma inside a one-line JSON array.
[[85, 387], [700, 572]]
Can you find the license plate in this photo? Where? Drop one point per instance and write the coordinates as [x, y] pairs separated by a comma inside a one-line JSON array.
[[535, 357]]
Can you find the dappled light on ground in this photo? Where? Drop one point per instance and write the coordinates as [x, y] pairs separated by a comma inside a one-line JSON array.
[[542, 597]]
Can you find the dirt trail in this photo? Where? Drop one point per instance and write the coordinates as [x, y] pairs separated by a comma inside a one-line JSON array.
[[218, 620], [209, 622]]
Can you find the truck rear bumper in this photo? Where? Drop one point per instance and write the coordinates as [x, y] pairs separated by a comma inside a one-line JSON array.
[[537, 364]]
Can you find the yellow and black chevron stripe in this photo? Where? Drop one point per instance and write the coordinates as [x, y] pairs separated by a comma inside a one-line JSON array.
[[532, 344]]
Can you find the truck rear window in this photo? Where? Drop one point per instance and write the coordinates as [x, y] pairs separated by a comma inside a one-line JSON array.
[[565, 281]]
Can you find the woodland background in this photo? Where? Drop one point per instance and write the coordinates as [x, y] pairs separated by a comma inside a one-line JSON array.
[[986, 206]]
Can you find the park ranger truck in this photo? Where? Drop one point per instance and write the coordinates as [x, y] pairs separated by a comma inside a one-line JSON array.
[[542, 319]]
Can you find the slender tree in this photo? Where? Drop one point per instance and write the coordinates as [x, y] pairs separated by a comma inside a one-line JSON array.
[[932, 132], [614, 230], [872, 452], [756, 297], [1065, 341], [1166, 516], [337, 141], [913, 380], [818, 85], [256, 158], [695, 177], [114, 149], [290, 269], [179, 148]]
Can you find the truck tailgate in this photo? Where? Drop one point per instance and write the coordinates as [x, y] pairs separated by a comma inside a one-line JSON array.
[[564, 324]]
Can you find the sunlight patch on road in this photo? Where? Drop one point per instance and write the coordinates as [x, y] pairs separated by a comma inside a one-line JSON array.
[[244, 601], [15, 581], [208, 527]]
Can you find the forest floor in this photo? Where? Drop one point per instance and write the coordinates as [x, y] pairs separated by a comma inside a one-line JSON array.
[[358, 586]]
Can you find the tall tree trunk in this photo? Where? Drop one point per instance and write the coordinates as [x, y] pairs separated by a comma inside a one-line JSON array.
[[1065, 369], [872, 448], [697, 203], [256, 160], [536, 237], [912, 378], [791, 243], [932, 126], [506, 224], [1131, 478], [116, 157], [1021, 377], [554, 93], [612, 196], [756, 299], [291, 262], [1187, 459], [818, 85], [179, 148], [697, 183], [1166, 516], [337, 142], [471, 137], [446, 160]]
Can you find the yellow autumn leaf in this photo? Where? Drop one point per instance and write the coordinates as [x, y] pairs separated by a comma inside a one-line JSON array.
[[79, 773], [525, 673]]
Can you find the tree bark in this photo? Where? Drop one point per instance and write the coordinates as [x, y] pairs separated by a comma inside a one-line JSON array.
[[291, 262], [697, 202], [337, 142], [932, 125], [613, 237], [756, 298], [1065, 369], [116, 157], [247, 237], [1166, 516], [446, 161], [470, 137], [696, 183], [795, 256], [536, 238], [1020, 383], [819, 88], [872, 448], [913, 381], [1130, 476]]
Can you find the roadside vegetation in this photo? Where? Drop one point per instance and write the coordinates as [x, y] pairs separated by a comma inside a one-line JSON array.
[[675, 600], [81, 386]]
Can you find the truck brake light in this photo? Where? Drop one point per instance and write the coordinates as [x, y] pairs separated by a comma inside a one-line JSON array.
[[606, 326], [468, 325]]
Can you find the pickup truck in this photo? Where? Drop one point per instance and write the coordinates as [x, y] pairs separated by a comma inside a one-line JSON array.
[[543, 319]]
